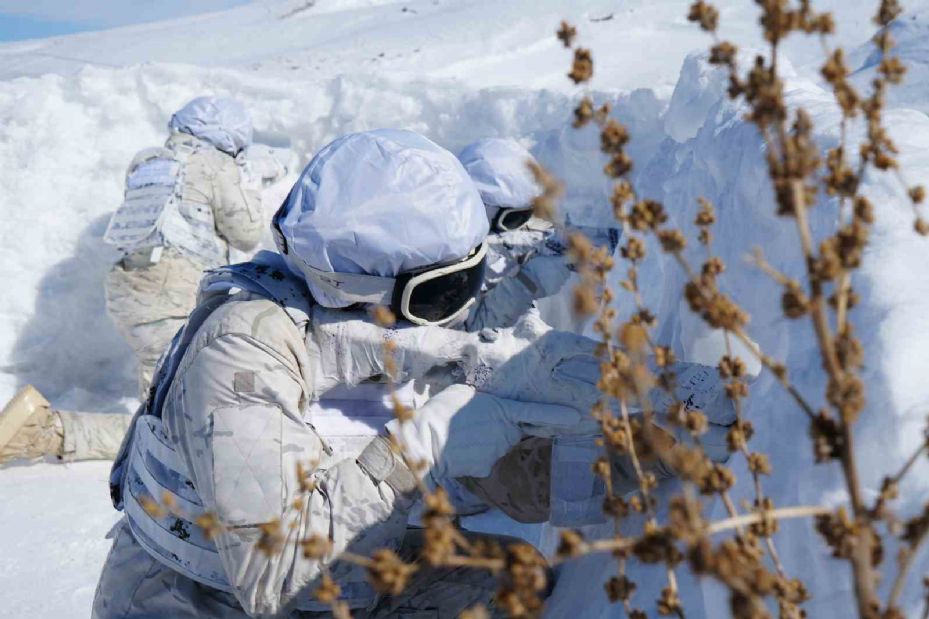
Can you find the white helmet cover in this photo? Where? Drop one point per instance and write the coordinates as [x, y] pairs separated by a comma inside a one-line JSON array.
[[221, 121], [499, 169], [377, 203]]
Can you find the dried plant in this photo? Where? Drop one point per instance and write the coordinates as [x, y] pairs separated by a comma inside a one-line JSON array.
[[748, 563]]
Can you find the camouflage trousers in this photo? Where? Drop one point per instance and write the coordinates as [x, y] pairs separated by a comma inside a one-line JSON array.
[[135, 585], [149, 304], [92, 436]]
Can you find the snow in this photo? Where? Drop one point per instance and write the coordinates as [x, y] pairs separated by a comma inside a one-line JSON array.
[[53, 524], [73, 111], [724, 161]]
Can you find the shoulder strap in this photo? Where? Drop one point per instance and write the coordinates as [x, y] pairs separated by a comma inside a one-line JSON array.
[[164, 376], [265, 275]]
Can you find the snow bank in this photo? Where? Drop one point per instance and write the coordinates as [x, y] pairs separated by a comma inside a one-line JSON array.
[[724, 162], [710, 151], [912, 47]]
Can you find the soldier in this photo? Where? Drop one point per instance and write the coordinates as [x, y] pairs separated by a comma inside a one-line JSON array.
[[186, 204], [379, 218], [517, 275]]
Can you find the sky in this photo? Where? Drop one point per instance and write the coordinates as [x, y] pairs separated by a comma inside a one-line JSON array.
[[31, 19]]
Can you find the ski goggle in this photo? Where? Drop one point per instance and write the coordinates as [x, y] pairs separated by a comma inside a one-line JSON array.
[[433, 295], [507, 219], [440, 294]]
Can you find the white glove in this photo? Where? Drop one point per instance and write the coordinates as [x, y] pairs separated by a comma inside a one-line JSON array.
[[515, 245], [529, 362], [700, 388], [513, 295], [506, 251], [261, 165], [462, 432]]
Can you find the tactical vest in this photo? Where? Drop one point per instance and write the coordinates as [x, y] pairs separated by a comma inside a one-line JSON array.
[[154, 213], [148, 470]]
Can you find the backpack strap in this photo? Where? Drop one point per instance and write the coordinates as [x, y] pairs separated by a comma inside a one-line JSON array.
[[266, 276]]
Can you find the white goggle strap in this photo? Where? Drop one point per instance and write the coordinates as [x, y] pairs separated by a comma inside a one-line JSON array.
[[353, 287]]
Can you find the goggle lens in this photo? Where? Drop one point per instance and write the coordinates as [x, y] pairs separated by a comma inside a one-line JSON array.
[[512, 219], [439, 298]]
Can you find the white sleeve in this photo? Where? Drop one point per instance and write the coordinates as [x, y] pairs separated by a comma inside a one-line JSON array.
[[241, 399]]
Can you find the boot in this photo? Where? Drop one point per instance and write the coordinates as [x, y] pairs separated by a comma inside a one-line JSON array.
[[29, 428]]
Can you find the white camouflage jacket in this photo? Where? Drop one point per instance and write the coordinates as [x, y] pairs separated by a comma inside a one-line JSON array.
[[228, 437]]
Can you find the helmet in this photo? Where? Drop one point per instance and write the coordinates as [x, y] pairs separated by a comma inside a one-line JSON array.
[[386, 217], [499, 169], [221, 121]]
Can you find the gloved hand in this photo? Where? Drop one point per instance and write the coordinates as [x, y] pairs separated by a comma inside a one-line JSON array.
[[559, 367], [516, 245], [462, 432], [260, 166], [514, 294], [623, 474], [700, 388], [532, 362], [529, 362], [557, 243]]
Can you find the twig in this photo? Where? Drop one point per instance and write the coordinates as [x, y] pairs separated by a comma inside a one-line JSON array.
[[780, 513], [906, 563]]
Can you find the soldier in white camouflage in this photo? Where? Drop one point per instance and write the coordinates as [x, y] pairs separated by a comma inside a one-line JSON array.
[[187, 205], [153, 287], [526, 263]]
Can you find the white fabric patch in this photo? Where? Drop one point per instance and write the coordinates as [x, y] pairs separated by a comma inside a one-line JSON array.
[[247, 472]]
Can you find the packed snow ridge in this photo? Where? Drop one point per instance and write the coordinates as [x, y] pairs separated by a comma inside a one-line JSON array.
[[74, 110]]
